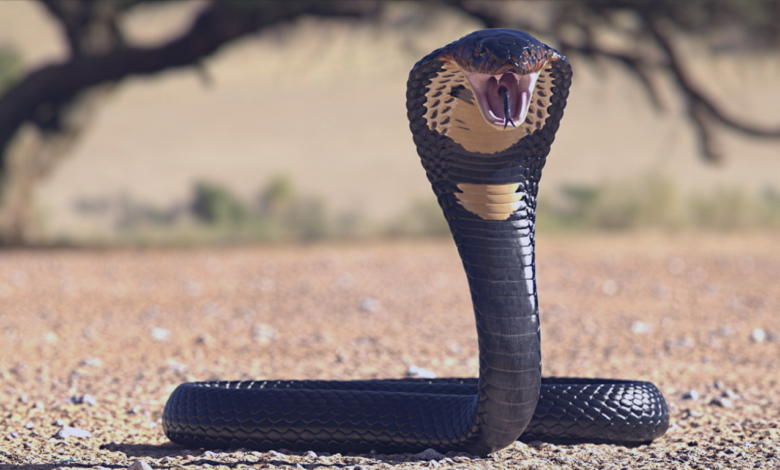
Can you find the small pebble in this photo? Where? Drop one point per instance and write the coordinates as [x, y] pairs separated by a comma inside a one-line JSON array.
[[263, 334], [641, 328], [204, 339], [91, 362], [419, 372], [722, 402], [726, 331], [82, 400], [429, 454], [686, 342], [140, 465], [311, 453], [691, 395], [177, 367], [29, 425], [160, 334], [758, 335], [13, 435], [663, 292], [693, 414], [67, 431], [369, 304], [609, 287], [86, 400], [210, 454]]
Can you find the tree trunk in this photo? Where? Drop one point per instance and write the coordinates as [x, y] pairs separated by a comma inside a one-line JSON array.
[[32, 153]]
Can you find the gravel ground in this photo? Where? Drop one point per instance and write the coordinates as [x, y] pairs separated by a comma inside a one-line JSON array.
[[97, 339]]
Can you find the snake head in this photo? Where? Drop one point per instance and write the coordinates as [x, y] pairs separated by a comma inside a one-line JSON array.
[[502, 67], [494, 87]]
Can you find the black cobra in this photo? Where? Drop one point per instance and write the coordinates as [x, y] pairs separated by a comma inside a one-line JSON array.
[[483, 111]]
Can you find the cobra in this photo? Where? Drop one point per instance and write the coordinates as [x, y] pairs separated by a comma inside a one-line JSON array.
[[483, 111]]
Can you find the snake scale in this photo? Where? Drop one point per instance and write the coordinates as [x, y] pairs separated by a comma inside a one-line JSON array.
[[483, 111]]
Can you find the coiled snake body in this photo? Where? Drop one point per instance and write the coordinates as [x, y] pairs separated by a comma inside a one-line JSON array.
[[484, 111]]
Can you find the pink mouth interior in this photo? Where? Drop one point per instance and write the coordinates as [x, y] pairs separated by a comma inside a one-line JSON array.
[[491, 89]]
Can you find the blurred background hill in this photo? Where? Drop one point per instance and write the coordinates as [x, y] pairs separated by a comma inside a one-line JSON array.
[[298, 129]]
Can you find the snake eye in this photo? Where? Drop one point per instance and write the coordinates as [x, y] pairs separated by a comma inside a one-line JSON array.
[[504, 98]]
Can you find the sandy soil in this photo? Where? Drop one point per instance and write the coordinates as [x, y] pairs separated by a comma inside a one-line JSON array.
[[696, 315]]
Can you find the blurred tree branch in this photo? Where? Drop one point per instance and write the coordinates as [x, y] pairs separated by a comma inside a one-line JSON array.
[[42, 114], [652, 25], [90, 26], [702, 109]]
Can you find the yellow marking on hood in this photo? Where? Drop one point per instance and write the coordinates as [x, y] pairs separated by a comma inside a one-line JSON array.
[[464, 123], [490, 201]]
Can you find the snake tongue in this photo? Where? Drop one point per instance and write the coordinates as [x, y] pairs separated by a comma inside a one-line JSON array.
[[503, 99]]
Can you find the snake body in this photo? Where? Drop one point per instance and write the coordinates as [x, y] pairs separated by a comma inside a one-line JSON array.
[[483, 111]]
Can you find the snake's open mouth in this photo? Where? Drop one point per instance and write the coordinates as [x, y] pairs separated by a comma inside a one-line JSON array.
[[503, 99]]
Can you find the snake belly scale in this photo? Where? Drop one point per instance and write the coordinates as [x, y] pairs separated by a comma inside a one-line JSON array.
[[483, 112]]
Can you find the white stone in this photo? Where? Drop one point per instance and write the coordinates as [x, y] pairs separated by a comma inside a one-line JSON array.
[[369, 304], [140, 465], [419, 372], [429, 454], [67, 431], [758, 335], [160, 334], [641, 328]]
